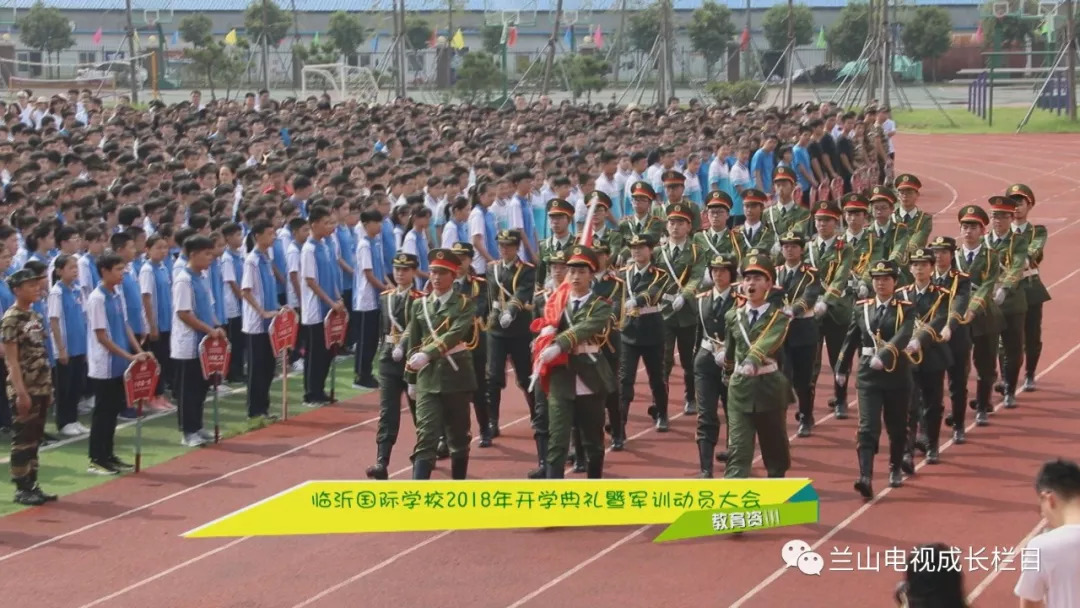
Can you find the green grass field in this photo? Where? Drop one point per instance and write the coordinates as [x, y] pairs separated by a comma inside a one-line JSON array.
[[1005, 121], [63, 465]]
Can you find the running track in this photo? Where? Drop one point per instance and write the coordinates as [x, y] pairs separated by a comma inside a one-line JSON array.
[[119, 545]]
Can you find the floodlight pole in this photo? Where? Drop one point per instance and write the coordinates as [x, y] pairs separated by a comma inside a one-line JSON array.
[[550, 60], [266, 46], [886, 53], [131, 49], [788, 69], [1070, 73]]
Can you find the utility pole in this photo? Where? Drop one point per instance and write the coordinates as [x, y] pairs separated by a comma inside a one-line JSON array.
[[886, 53], [875, 51], [550, 61], [450, 18], [131, 50], [748, 74], [1070, 59], [266, 46], [619, 39], [669, 62], [789, 57], [403, 39]]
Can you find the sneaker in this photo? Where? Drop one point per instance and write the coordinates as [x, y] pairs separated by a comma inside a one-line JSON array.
[[298, 367], [86, 406], [120, 465], [194, 440], [83, 428], [205, 434], [73, 429], [101, 468]]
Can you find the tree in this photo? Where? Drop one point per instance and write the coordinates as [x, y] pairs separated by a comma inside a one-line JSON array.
[[316, 53], [927, 35], [47, 30], [477, 77], [1010, 29], [711, 30], [417, 32], [644, 28], [196, 29], [586, 73], [347, 31], [775, 24], [265, 17], [491, 35], [848, 35]]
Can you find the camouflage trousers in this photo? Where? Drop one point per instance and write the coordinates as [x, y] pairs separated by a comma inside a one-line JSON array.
[[28, 428]]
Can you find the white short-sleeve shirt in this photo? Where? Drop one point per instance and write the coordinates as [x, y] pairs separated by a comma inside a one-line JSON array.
[[292, 264], [252, 322], [1056, 580], [228, 273], [309, 301], [183, 341], [478, 227], [364, 296], [98, 356], [147, 285]]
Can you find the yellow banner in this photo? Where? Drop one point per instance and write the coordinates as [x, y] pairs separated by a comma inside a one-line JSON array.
[[349, 507]]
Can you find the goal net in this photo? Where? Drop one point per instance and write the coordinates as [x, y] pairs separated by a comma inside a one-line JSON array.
[[104, 78], [341, 81]]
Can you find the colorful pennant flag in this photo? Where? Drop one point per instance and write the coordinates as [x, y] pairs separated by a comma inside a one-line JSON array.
[[230, 38], [978, 37], [821, 42], [511, 38], [598, 38], [568, 37], [97, 36], [744, 40], [458, 41]]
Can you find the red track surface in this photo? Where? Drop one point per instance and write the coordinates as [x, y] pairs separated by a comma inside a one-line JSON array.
[[119, 545]]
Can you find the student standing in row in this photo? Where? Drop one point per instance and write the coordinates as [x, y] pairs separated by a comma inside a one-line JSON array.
[[260, 306], [155, 283], [68, 322], [319, 294], [232, 272], [368, 283]]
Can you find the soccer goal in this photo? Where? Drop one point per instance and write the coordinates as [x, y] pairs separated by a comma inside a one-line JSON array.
[[103, 79], [345, 81]]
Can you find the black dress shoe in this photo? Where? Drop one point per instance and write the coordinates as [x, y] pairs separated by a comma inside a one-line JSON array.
[[662, 424], [805, 428], [721, 456], [932, 456], [959, 436], [896, 478], [442, 452], [864, 487], [494, 426], [579, 466], [618, 443], [377, 471], [29, 498], [538, 473], [907, 464]]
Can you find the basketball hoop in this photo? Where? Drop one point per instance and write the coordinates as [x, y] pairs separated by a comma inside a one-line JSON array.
[[1000, 10]]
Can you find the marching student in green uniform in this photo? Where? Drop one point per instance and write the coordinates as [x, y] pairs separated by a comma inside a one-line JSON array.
[[643, 221], [1037, 294], [674, 188], [754, 233], [560, 214], [956, 332], [799, 282], [862, 241], [1009, 292], [929, 352], [511, 285], [475, 288], [983, 316], [919, 223], [832, 258], [713, 306], [439, 368], [395, 313], [607, 284], [685, 264], [758, 391], [786, 214], [881, 327], [717, 239], [577, 390], [556, 263], [643, 331], [601, 233], [891, 238]]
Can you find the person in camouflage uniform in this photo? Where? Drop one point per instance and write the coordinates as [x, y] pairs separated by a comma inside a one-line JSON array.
[[29, 385]]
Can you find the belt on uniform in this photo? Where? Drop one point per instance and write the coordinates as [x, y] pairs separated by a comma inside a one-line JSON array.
[[807, 315], [868, 351], [457, 349], [707, 345], [393, 338], [1031, 273], [767, 367], [648, 310], [586, 349]]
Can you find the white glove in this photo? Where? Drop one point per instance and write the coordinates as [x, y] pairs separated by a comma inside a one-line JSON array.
[[746, 369], [999, 296], [864, 291], [631, 304], [548, 354], [678, 303], [820, 308], [841, 379], [946, 334], [718, 356], [547, 331], [505, 319], [913, 346], [788, 312], [397, 353], [877, 364], [776, 249], [418, 361], [411, 391]]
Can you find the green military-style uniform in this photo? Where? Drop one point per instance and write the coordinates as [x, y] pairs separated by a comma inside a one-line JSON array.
[[475, 288], [919, 223], [723, 242], [891, 239], [982, 265], [1010, 295], [879, 333], [511, 286], [957, 334], [758, 391], [786, 216], [674, 189], [609, 285], [758, 236], [931, 306], [713, 306], [801, 288], [862, 246], [540, 420], [578, 388], [642, 332], [651, 224], [555, 207], [441, 332], [685, 264], [395, 315], [1036, 236]]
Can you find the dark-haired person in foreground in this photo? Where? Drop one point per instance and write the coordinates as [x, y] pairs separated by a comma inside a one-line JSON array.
[[927, 584], [1055, 583]]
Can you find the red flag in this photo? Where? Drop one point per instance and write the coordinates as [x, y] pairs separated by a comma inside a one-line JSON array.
[[511, 38], [978, 37], [598, 38], [744, 40], [97, 37]]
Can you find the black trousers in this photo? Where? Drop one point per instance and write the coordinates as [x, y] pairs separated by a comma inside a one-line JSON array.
[[653, 357], [960, 345], [926, 405], [1012, 350], [160, 350], [365, 325], [480, 396], [799, 367], [686, 340], [5, 406], [984, 351], [316, 365], [109, 401], [260, 374], [391, 389], [517, 349], [1033, 338], [351, 334], [193, 388], [69, 389], [239, 349]]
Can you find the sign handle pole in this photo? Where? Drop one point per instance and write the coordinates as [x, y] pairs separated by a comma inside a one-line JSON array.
[[217, 418], [138, 434], [333, 374], [284, 384]]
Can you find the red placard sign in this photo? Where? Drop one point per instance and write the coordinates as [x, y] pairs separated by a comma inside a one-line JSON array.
[[283, 330], [141, 379], [336, 327], [214, 356]]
